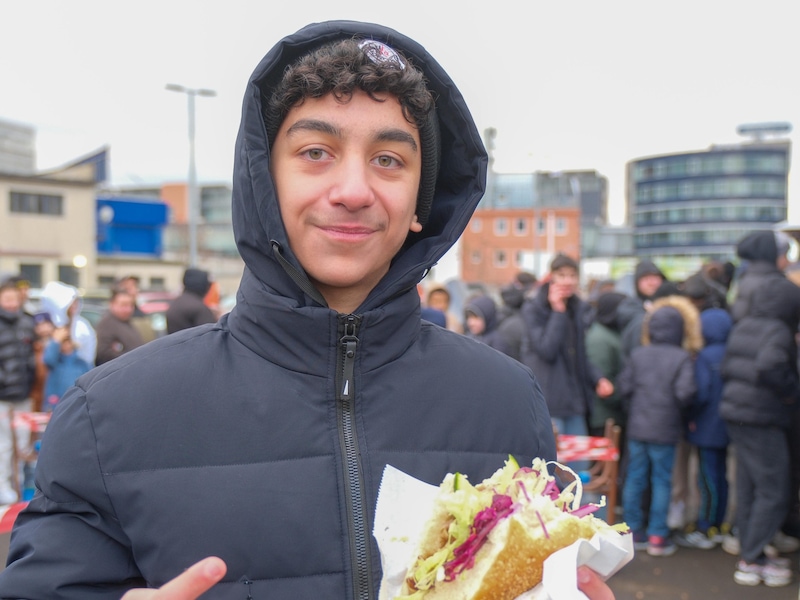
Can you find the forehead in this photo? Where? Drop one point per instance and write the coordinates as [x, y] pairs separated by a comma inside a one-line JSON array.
[[359, 113], [565, 272]]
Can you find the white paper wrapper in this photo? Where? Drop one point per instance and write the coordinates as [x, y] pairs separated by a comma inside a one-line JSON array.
[[403, 506]]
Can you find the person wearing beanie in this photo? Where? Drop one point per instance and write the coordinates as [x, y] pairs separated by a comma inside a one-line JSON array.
[[260, 441], [554, 348], [188, 309], [764, 259]]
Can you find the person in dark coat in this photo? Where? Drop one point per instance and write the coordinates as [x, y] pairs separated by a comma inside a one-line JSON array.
[[604, 351], [259, 442], [649, 280], [188, 309], [759, 399], [707, 431], [512, 325], [657, 384], [116, 335], [481, 323], [554, 348]]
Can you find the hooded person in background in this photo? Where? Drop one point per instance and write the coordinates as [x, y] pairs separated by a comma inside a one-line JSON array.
[[189, 309], [764, 255], [260, 440], [480, 323], [512, 325]]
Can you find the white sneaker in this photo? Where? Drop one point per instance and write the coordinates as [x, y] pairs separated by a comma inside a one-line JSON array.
[[753, 573], [676, 518], [785, 544], [730, 544]]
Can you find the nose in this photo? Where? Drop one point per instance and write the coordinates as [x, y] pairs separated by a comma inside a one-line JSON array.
[[352, 186]]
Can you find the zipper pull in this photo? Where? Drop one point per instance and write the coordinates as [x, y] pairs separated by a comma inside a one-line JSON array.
[[348, 344]]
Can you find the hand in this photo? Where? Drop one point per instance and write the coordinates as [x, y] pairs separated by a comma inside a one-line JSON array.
[[557, 297], [60, 334], [189, 585], [591, 585], [604, 388]]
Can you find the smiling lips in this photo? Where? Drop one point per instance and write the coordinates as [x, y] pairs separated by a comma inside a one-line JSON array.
[[345, 233]]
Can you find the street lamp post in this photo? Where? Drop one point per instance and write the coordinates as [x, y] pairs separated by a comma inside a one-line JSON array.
[[192, 183]]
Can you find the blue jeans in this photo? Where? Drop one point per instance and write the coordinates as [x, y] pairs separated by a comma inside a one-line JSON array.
[[573, 425], [648, 463]]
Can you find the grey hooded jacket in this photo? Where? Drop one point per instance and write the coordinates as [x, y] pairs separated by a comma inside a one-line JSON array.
[[262, 438]]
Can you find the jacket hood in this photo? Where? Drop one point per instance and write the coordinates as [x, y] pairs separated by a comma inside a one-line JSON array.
[[196, 281], [716, 324], [483, 306], [258, 228], [56, 298], [665, 326], [759, 246], [692, 336]]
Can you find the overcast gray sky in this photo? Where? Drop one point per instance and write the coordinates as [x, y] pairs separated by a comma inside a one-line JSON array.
[[568, 85]]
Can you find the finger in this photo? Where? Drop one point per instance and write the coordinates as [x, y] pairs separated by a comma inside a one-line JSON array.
[[591, 585], [197, 579]]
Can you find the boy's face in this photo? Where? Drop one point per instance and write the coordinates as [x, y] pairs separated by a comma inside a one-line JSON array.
[[566, 279], [347, 177], [10, 300], [475, 324]]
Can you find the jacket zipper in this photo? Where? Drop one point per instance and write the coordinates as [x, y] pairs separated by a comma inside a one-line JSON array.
[[348, 443]]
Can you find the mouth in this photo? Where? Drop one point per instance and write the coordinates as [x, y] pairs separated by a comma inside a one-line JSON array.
[[348, 233]]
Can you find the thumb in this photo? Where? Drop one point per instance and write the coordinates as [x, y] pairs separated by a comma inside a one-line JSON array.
[[591, 585]]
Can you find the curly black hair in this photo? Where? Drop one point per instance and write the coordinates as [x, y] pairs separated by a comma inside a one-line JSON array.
[[340, 68]]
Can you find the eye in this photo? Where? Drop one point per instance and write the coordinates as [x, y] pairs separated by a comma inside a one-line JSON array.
[[315, 153], [387, 161]]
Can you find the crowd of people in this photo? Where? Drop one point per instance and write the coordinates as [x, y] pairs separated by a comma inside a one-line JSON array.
[[700, 373], [46, 346]]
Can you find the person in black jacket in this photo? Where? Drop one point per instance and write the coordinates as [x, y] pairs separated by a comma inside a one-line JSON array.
[[188, 309], [260, 441], [759, 400]]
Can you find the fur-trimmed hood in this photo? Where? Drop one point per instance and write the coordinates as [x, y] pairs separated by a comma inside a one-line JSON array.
[[692, 331]]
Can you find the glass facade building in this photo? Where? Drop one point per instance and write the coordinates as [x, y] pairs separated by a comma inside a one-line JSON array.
[[700, 204]]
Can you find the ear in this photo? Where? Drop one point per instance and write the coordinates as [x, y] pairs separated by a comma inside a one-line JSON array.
[[415, 227]]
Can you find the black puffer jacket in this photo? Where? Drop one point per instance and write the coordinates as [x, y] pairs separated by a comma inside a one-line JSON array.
[[262, 438], [17, 362], [760, 364], [188, 309]]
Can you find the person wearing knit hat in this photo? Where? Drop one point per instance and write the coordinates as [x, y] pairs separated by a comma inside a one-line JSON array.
[[284, 414]]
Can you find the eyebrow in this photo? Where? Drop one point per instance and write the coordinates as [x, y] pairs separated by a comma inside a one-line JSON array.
[[390, 134]]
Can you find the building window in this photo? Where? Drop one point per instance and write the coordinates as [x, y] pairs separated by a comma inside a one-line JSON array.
[[158, 283], [33, 273], [519, 258], [69, 275], [500, 258], [541, 226], [475, 257], [476, 225], [520, 226], [38, 204], [108, 281], [561, 226], [501, 226]]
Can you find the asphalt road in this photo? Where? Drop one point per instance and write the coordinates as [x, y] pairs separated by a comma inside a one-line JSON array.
[[692, 574]]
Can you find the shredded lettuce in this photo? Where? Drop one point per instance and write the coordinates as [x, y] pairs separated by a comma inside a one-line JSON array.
[[476, 509]]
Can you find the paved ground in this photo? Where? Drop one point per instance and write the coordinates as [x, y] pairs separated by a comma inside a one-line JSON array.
[[691, 574]]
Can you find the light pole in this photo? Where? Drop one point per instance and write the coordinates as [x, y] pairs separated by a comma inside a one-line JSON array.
[[192, 183]]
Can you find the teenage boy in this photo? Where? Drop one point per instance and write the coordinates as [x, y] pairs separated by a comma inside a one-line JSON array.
[[261, 440]]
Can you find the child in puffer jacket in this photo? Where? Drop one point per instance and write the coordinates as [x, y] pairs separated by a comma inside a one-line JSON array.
[[656, 385]]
